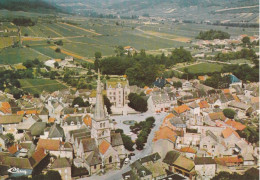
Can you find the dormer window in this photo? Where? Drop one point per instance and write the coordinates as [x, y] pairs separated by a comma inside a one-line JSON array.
[[72, 123], [119, 85]]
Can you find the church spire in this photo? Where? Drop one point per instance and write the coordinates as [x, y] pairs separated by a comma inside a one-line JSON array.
[[99, 113]]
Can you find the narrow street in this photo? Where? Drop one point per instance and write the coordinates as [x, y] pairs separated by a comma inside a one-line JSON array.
[[117, 175]]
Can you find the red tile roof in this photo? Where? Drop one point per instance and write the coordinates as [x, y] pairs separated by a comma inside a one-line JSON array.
[[181, 109], [165, 133], [203, 104], [49, 144], [188, 150], [87, 120], [103, 147], [236, 125], [228, 132], [235, 159], [14, 148], [5, 107]]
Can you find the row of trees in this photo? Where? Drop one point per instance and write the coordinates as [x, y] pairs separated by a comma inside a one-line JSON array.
[[145, 127], [243, 54], [252, 174], [213, 34]]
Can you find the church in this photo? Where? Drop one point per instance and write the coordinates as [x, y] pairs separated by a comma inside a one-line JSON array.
[[96, 146]]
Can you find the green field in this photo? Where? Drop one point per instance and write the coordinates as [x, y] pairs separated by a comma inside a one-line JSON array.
[[37, 86], [17, 55], [204, 68]]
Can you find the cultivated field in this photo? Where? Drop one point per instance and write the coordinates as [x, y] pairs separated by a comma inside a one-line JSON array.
[[82, 37]]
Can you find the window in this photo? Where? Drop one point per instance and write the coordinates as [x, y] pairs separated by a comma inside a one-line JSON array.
[[110, 159], [103, 133], [101, 125], [95, 166], [204, 146], [104, 124]]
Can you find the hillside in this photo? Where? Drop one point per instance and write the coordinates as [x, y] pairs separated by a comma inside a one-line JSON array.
[[188, 10], [27, 5]]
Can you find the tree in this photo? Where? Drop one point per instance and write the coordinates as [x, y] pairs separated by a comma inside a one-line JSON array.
[[120, 51], [10, 138], [28, 64], [229, 113], [56, 64], [78, 101], [139, 143], [98, 55], [177, 84], [137, 102], [52, 175], [246, 40], [57, 50], [127, 141], [107, 104]]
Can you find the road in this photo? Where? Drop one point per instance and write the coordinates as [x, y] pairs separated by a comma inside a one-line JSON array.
[[117, 175]]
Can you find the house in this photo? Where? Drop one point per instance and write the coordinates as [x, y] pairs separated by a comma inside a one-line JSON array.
[[188, 152], [10, 122], [27, 166], [159, 102], [242, 109], [180, 164], [148, 167], [117, 92], [164, 137], [215, 145], [63, 166], [194, 108], [205, 167], [54, 147], [183, 109]]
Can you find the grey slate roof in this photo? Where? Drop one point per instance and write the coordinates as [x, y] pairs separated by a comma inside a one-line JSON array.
[[56, 131], [61, 163], [89, 144], [94, 158], [37, 128], [204, 160], [239, 105], [74, 119], [11, 119], [141, 170], [116, 139], [171, 156]]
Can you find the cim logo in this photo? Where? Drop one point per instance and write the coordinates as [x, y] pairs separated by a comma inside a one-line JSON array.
[[15, 170]]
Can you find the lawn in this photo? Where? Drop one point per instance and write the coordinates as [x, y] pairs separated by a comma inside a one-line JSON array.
[[203, 68], [37, 86]]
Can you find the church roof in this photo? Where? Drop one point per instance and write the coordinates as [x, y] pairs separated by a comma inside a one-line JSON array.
[[99, 113], [89, 144], [103, 147], [94, 158], [116, 139]]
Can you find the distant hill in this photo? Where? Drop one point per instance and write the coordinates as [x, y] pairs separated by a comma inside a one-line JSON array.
[[27, 5]]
